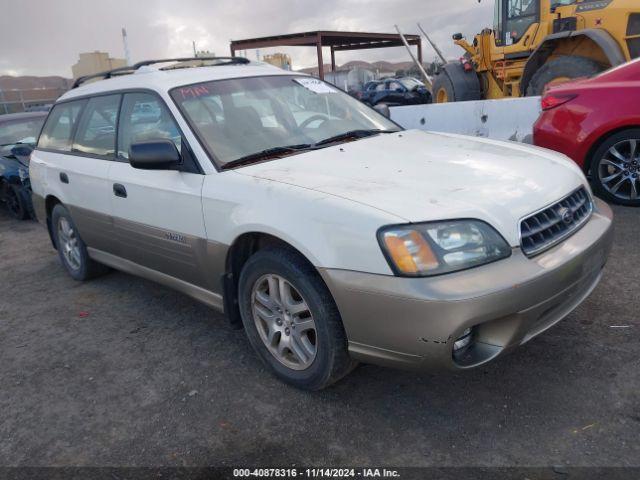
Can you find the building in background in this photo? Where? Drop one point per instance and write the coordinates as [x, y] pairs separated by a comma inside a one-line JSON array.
[[205, 53], [280, 60], [91, 63]]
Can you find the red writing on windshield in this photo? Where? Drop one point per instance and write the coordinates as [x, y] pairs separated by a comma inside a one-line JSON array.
[[193, 92]]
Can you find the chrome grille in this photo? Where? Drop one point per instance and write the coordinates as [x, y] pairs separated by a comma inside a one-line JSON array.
[[546, 228]]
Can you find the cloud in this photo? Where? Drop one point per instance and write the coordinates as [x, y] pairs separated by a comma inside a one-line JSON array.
[[58, 31]]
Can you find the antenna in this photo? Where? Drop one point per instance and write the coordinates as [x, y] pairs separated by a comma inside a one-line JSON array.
[[125, 42], [433, 44]]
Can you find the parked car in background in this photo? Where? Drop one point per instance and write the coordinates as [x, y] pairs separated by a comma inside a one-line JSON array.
[[18, 135], [395, 91], [596, 122], [324, 229], [39, 108]]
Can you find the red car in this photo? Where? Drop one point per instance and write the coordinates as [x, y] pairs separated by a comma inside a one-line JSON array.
[[596, 122]]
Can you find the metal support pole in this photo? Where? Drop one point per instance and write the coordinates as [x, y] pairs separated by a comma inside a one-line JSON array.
[[320, 61], [333, 60], [427, 82], [435, 47]]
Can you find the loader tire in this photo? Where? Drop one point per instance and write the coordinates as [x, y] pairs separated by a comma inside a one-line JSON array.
[[443, 89], [562, 69]]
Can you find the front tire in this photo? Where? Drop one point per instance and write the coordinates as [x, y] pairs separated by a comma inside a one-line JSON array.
[[71, 248], [615, 168], [292, 321], [562, 69], [443, 89], [18, 207]]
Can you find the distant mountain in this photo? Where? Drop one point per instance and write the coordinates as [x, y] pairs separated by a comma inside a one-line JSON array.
[[19, 93], [29, 82]]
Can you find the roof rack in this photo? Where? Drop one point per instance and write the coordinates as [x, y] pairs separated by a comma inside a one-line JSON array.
[[131, 69]]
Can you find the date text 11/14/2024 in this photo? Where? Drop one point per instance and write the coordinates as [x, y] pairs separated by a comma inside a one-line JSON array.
[[315, 473]]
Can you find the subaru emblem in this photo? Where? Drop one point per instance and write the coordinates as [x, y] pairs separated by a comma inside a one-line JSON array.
[[566, 215]]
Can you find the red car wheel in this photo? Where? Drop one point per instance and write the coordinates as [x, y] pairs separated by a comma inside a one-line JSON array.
[[615, 168]]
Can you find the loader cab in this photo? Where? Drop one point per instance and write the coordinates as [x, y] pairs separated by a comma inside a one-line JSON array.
[[513, 19]]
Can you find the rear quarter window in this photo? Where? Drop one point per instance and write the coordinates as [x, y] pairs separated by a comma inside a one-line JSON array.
[[60, 125]]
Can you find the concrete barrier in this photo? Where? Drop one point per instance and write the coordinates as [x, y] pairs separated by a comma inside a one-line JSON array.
[[506, 119]]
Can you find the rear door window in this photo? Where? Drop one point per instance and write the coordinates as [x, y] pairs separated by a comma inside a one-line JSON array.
[[60, 125], [97, 129]]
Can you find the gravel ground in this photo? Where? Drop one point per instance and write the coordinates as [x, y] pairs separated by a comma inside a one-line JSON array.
[[120, 371]]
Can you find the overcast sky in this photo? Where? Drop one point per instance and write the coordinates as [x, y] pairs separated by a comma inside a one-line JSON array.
[[44, 37]]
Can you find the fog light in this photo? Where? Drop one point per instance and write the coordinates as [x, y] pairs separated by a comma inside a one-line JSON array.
[[463, 341]]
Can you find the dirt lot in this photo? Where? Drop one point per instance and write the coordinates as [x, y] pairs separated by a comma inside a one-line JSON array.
[[120, 371]]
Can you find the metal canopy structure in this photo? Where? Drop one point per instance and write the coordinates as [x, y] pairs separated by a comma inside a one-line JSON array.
[[337, 41]]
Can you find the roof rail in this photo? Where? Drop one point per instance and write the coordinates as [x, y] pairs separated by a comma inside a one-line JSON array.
[[131, 69]]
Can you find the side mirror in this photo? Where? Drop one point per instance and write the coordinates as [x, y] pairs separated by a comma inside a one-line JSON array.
[[457, 36], [154, 155], [21, 151], [383, 109]]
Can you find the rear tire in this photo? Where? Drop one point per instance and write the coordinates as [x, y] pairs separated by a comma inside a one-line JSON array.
[[613, 166], [568, 67], [270, 320], [71, 249]]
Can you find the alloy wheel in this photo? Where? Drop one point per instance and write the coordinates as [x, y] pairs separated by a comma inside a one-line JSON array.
[[619, 170], [68, 243], [284, 321]]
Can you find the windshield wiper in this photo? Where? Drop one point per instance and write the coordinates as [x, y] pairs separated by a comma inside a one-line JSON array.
[[266, 154], [352, 134], [291, 149]]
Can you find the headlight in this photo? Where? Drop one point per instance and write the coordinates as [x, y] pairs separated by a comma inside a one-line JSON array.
[[421, 250]]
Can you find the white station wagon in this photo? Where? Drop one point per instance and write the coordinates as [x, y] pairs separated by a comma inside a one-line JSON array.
[[328, 232]]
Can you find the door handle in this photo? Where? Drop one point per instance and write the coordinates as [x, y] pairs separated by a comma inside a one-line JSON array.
[[64, 178], [119, 190]]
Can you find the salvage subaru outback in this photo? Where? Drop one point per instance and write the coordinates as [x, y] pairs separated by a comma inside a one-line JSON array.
[[329, 233]]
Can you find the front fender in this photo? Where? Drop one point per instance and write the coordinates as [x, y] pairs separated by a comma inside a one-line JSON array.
[[466, 85], [330, 231], [540, 55]]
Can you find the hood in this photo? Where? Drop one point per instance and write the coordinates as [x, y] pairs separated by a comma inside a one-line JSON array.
[[419, 176], [6, 153]]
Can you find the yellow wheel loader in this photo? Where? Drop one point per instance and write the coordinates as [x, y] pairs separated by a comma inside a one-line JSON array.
[[535, 43]]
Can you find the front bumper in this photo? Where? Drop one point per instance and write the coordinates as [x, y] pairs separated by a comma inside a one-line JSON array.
[[413, 322]]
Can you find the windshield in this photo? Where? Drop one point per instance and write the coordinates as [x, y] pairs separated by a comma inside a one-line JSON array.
[[411, 83], [241, 117], [20, 131]]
